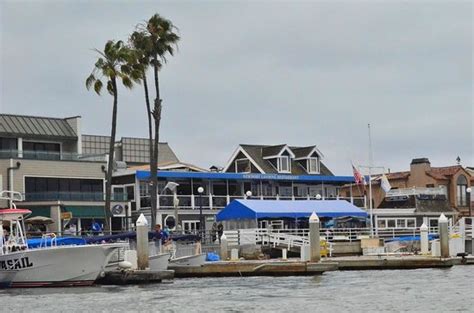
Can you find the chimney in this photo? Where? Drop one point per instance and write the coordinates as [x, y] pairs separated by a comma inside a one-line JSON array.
[[420, 166]]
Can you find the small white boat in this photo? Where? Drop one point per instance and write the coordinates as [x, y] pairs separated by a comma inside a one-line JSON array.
[[159, 262], [189, 260]]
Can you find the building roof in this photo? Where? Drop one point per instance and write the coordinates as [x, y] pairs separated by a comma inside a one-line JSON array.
[[445, 172], [272, 150], [258, 153], [35, 127], [255, 209], [170, 166]]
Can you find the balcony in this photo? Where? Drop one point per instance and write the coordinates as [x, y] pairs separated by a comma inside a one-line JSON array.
[[441, 190], [72, 196], [51, 156], [217, 202]]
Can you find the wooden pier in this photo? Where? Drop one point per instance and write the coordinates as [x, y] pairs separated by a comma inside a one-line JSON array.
[[389, 262], [255, 268]]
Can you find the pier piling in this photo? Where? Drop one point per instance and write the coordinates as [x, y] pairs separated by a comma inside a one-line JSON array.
[[224, 248], [443, 235], [424, 239], [142, 242], [314, 243]]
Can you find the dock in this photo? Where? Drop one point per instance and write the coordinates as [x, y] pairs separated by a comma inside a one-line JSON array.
[[134, 277], [389, 262], [255, 268], [295, 267]]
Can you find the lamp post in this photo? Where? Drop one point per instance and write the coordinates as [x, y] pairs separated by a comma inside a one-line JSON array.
[[248, 194], [201, 224], [469, 190]]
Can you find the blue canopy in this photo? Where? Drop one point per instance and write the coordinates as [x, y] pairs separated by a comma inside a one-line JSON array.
[[60, 241], [255, 209]]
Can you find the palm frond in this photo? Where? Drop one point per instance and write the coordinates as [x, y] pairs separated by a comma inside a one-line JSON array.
[[127, 82], [98, 86], [89, 81], [110, 87]]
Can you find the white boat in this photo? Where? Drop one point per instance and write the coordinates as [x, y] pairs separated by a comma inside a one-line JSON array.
[[74, 265], [188, 260], [56, 266], [159, 262]]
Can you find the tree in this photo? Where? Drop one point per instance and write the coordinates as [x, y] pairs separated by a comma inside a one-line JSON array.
[[157, 38], [112, 65], [142, 48]]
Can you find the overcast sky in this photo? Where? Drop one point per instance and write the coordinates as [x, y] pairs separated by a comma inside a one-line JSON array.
[[264, 73]]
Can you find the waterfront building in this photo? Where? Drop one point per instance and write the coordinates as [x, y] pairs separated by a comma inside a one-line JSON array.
[[277, 172], [419, 195], [61, 172]]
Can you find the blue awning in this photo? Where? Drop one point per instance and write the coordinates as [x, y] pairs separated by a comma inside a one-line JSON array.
[[144, 175], [256, 209]]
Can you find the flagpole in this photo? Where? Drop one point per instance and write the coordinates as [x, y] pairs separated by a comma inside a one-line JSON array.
[[370, 183]]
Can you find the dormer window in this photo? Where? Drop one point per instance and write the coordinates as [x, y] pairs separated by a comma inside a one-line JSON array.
[[242, 166], [284, 164], [312, 164]]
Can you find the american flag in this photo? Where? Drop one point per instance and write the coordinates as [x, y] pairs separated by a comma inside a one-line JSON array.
[[359, 179]]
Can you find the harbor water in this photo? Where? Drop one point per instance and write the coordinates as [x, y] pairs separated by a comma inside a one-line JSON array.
[[422, 290]]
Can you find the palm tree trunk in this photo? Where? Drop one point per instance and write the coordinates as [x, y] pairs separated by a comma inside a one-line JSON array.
[[153, 193], [154, 160], [108, 183], [148, 115]]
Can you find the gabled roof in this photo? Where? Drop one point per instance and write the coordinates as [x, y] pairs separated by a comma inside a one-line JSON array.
[[35, 127], [444, 172], [272, 150], [257, 154], [305, 152]]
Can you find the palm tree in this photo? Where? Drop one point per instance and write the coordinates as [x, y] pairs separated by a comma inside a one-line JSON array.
[[111, 66], [142, 47], [157, 38]]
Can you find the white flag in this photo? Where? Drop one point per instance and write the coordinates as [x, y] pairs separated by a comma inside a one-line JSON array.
[[385, 184]]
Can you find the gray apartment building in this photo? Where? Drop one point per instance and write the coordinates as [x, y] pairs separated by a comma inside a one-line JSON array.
[[59, 170]]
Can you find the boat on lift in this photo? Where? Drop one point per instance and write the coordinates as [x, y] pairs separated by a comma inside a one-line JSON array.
[[47, 265]]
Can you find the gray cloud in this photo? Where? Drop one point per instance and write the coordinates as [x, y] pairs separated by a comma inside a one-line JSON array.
[[298, 73]]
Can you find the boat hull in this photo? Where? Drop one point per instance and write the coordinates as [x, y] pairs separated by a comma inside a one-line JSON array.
[[159, 262], [190, 260], [6, 278], [57, 266]]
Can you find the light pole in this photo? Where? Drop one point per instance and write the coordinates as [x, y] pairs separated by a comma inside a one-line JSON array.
[[469, 190], [248, 194], [201, 224]]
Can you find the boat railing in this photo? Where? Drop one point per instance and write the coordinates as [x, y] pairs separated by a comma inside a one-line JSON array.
[[51, 237]]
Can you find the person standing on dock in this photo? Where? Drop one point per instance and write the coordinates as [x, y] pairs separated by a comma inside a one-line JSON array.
[[220, 230], [214, 232]]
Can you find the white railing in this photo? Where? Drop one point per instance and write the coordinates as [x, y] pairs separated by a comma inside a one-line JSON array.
[[416, 191]]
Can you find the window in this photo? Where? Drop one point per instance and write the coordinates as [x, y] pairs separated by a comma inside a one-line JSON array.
[[313, 165], [8, 146], [41, 150], [461, 194], [381, 223], [396, 222], [242, 166], [51, 188], [284, 164]]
